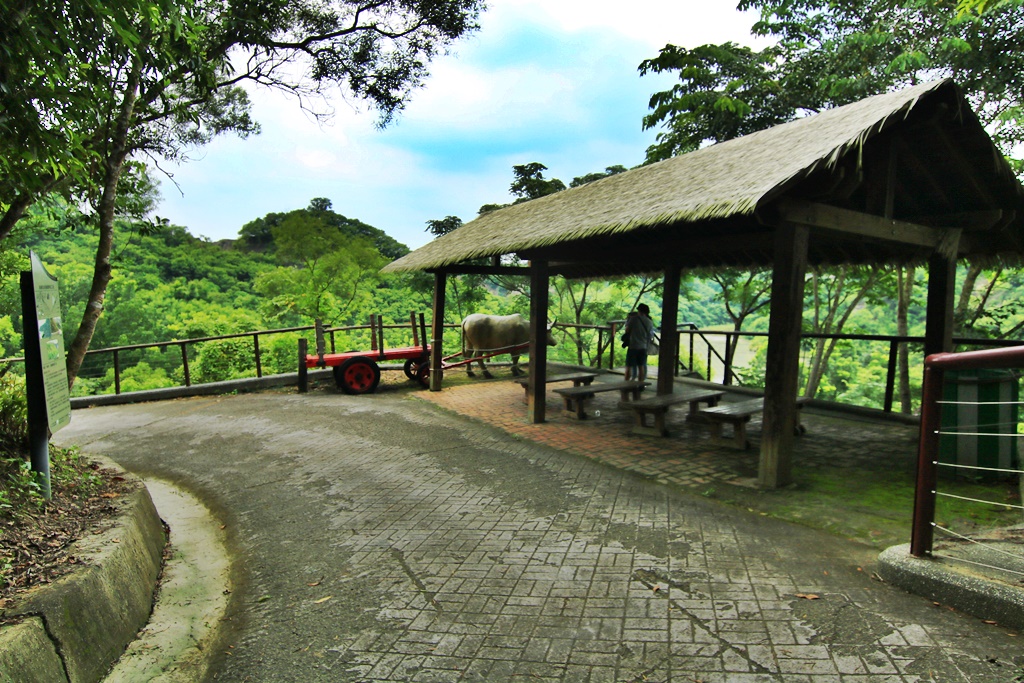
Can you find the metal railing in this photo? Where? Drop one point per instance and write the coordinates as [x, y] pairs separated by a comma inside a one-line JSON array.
[[186, 350], [938, 369], [719, 364], [709, 350]]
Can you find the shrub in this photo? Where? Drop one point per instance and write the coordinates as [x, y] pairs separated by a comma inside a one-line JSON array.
[[139, 377], [224, 359], [13, 416], [281, 354]]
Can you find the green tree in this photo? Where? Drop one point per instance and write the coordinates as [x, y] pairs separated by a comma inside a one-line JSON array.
[[530, 182], [165, 80], [827, 54], [591, 177], [325, 272], [724, 91], [744, 294], [258, 235], [443, 226], [834, 295]]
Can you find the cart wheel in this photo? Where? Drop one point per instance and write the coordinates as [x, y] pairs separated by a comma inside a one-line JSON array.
[[423, 374], [410, 368], [357, 376]]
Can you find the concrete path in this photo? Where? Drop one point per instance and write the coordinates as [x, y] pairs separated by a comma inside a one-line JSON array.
[[380, 538]]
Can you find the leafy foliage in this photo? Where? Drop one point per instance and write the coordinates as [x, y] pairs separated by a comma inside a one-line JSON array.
[[724, 91], [13, 417], [827, 54]]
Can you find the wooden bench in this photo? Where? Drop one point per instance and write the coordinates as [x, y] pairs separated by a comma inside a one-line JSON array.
[[577, 379], [658, 406], [573, 397], [738, 415]]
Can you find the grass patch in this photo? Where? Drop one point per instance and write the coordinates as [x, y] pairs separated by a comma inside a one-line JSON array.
[[875, 508]]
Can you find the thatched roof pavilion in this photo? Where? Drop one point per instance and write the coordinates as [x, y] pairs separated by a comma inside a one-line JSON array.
[[904, 176]]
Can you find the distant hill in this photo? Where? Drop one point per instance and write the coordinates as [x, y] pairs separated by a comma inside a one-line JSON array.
[[258, 235]]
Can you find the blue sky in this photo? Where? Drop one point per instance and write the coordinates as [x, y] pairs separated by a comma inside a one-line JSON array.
[[552, 81]]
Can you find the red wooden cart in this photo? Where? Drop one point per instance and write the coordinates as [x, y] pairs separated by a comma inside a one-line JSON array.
[[358, 372]]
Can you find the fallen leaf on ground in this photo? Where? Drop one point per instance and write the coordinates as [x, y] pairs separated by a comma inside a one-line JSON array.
[[807, 596], [317, 602]]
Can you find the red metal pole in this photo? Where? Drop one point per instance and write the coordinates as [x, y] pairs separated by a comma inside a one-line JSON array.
[[922, 533]]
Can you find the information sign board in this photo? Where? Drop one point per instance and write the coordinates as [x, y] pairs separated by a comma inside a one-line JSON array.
[[51, 345]]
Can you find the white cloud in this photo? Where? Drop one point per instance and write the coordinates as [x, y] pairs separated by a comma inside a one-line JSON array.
[[553, 81], [655, 22]]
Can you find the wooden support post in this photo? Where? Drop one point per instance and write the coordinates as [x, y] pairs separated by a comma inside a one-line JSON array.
[[437, 331], [782, 369], [303, 380], [669, 336], [536, 388], [938, 334]]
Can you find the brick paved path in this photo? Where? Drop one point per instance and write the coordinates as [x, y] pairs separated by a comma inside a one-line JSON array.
[[687, 456], [378, 538]]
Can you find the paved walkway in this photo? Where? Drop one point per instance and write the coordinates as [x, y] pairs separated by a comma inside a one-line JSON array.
[[687, 456], [378, 538]]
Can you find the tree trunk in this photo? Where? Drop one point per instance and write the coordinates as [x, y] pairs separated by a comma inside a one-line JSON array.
[[14, 213], [966, 290], [822, 349], [112, 166]]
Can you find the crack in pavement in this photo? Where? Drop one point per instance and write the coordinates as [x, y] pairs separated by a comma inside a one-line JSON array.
[[644, 577], [430, 596]]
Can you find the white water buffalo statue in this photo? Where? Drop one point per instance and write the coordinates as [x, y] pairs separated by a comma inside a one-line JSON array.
[[484, 335]]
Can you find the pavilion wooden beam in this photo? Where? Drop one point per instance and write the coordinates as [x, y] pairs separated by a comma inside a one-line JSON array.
[[782, 368], [861, 224], [968, 220], [437, 331], [536, 388], [620, 258], [669, 325]]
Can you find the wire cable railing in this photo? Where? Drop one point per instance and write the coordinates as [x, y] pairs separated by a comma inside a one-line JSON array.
[[990, 451]]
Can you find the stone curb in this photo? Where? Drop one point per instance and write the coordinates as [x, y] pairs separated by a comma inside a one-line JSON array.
[[76, 628], [211, 389], [942, 582]]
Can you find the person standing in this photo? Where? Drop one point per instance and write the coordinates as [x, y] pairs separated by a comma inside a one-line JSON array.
[[639, 331]]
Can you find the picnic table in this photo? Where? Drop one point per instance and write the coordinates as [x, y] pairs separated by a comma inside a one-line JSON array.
[[658, 406], [574, 398], [738, 415]]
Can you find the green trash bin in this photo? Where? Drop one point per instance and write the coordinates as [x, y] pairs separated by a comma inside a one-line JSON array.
[[981, 407]]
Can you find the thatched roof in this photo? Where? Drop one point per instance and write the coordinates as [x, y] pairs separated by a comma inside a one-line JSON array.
[[729, 188]]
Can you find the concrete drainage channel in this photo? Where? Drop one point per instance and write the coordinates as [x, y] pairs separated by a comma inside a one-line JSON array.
[[103, 614]]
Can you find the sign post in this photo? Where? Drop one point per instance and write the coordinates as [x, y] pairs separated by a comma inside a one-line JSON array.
[[46, 375]]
